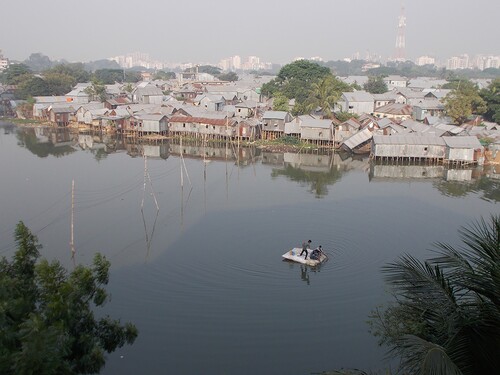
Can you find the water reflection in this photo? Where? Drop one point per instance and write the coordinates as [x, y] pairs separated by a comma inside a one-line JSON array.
[[487, 187], [47, 141], [317, 171], [449, 182], [314, 170]]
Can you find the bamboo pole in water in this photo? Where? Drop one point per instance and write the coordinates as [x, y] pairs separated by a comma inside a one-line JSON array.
[[72, 241]]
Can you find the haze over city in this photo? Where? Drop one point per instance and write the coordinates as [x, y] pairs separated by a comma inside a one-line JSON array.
[[278, 32]]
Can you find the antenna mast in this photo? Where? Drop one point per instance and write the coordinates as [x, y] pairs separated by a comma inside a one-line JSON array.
[[400, 54]]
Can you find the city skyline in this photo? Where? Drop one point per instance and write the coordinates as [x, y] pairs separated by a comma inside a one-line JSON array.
[[209, 32]]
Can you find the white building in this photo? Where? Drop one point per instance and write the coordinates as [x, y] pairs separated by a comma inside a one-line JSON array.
[[482, 62], [4, 62], [458, 62], [426, 60]]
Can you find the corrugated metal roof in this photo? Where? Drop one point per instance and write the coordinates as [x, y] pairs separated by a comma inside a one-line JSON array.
[[358, 138], [358, 96], [415, 126], [408, 139], [395, 109], [315, 123], [202, 120], [429, 104], [449, 128], [384, 122], [462, 142], [150, 117], [148, 91], [280, 115]]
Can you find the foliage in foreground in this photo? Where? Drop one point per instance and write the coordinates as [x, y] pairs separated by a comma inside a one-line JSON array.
[[47, 323], [446, 315]]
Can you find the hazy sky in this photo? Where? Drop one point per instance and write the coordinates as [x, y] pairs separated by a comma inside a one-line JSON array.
[[276, 31]]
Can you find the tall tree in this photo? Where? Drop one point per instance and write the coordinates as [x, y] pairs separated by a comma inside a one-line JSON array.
[[464, 101], [31, 86], [59, 83], [109, 76], [164, 75], [96, 91], [13, 75], [491, 95], [325, 94], [280, 103], [38, 62], [74, 70], [229, 76], [445, 318], [294, 80], [375, 85], [47, 322]]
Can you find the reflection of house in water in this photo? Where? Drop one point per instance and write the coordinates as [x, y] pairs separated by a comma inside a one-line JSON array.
[[273, 158], [41, 135], [105, 142], [458, 175], [203, 152], [57, 137], [160, 151], [309, 162], [315, 162], [156, 151], [418, 172], [241, 155], [87, 142]]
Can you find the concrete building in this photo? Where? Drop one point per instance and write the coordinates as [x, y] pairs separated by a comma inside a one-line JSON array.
[[357, 102], [4, 62]]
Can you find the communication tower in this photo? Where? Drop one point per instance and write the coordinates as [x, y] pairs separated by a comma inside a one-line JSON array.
[[400, 54]]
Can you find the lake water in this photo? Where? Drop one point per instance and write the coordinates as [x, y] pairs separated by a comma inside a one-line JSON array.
[[202, 277]]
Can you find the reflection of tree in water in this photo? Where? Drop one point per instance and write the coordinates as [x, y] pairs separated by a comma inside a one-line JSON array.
[[318, 181], [489, 188], [99, 154], [28, 139]]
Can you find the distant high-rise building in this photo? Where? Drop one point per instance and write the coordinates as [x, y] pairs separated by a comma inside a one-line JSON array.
[[458, 62], [400, 52], [426, 60], [236, 62], [4, 62], [482, 62]]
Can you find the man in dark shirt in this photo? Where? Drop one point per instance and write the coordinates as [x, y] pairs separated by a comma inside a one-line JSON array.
[[305, 246]]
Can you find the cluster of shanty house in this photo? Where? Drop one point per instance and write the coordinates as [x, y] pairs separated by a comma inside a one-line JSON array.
[[406, 122]]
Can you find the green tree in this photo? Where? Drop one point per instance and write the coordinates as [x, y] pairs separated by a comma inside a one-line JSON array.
[[280, 103], [209, 69], [375, 85], [15, 74], [325, 93], [133, 77], [47, 322], [463, 102], [96, 91], [294, 80], [74, 70], [229, 76], [446, 315], [109, 76], [59, 83], [38, 62], [31, 86], [344, 116], [491, 95], [164, 75]]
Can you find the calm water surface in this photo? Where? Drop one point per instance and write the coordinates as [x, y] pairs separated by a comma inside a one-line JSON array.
[[202, 277]]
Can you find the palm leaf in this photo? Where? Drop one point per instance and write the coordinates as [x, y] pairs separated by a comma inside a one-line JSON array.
[[423, 357]]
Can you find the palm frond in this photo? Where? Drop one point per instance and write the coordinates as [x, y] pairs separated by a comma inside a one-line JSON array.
[[423, 357]]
